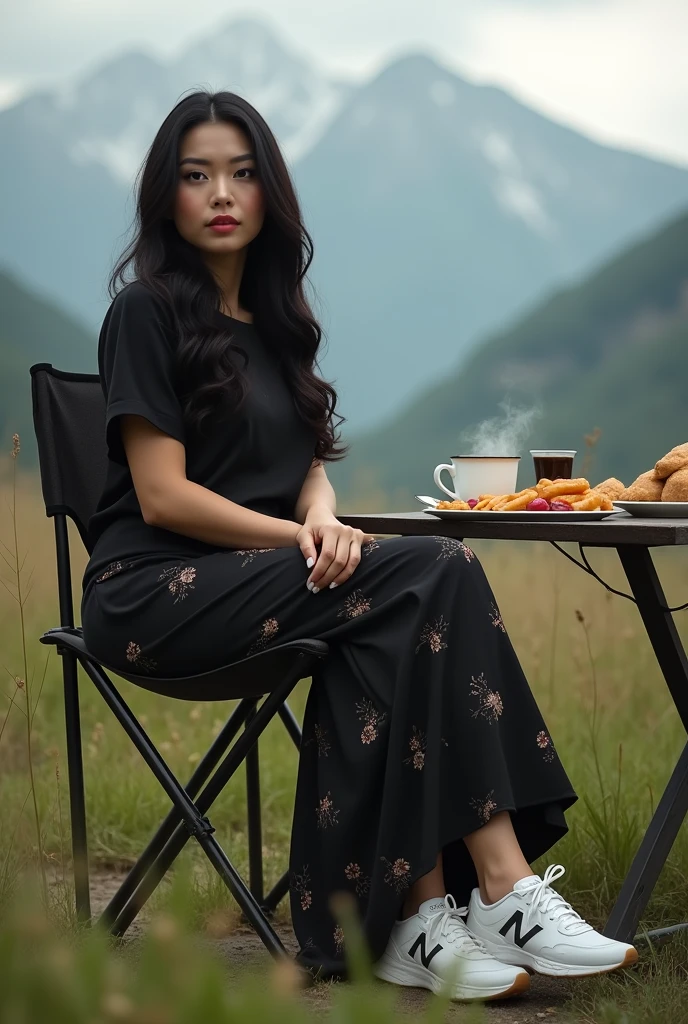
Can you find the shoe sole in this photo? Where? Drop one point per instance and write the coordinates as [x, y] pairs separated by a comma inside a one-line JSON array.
[[413, 976], [540, 965]]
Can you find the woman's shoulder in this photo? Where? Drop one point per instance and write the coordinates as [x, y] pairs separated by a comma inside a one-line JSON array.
[[139, 297], [138, 318]]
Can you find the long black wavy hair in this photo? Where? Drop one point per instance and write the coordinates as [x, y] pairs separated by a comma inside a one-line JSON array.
[[277, 260]]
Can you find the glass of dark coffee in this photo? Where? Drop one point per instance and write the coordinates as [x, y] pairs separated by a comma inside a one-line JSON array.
[[553, 464]]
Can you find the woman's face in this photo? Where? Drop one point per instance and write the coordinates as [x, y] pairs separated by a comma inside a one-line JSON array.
[[217, 176]]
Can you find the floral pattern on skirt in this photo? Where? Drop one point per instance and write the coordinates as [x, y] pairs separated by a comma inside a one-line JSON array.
[[419, 725]]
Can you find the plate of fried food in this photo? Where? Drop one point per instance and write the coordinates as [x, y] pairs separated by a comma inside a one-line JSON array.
[[661, 492], [551, 499]]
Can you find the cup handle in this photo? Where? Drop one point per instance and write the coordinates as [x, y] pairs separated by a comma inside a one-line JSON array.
[[437, 476]]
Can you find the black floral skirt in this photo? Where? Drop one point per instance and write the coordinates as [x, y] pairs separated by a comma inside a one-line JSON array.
[[419, 726]]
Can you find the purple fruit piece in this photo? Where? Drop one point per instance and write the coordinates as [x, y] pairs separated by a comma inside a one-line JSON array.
[[472, 502], [538, 505], [561, 506]]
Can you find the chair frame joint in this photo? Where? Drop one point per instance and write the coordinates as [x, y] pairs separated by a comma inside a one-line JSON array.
[[200, 827]]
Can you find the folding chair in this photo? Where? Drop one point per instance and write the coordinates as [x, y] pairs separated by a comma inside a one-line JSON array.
[[69, 421]]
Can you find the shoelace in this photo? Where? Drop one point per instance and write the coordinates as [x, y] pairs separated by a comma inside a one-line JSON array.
[[449, 923], [546, 900]]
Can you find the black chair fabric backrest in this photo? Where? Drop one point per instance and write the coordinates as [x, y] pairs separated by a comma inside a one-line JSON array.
[[69, 420]]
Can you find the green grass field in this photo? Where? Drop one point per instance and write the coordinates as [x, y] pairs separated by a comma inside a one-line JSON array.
[[596, 680]]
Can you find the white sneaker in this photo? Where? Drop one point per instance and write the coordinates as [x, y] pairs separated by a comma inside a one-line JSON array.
[[534, 927], [435, 945]]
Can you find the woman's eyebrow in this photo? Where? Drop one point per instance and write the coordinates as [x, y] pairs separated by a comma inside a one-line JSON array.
[[199, 160]]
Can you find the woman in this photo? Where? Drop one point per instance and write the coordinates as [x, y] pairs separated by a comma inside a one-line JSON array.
[[427, 777]]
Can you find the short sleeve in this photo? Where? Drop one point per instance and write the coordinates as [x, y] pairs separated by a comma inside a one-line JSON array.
[[136, 359]]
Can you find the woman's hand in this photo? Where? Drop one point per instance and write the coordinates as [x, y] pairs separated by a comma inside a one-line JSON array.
[[340, 550]]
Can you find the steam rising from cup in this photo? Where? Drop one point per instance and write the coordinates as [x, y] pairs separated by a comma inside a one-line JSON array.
[[501, 435]]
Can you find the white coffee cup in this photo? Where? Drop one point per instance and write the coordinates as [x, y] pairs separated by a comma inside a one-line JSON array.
[[479, 474]]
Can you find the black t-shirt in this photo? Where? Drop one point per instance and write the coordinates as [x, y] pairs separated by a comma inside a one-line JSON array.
[[258, 457]]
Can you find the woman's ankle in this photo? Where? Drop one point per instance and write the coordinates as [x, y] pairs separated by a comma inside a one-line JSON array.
[[413, 902], [497, 883]]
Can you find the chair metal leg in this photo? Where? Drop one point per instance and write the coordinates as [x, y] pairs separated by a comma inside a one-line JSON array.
[[673, 806], [281, 887], [202, 773], [290, 724], [167, 827], [75, 770], [203, 802], [224, 867], [75, 763], [276, 894], [255, 836]]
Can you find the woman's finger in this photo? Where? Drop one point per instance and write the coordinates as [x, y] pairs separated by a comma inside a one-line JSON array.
[[349, 569], [339, 561], [334, 555], [309, 549]]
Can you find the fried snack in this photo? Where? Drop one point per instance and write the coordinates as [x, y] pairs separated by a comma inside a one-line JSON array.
[[559, 487], [457, 504], [520, 501], [647, 487], [676, 459], [611, 487], [485, 500], [571, 497], [504, 499], [590, 502], [497, 500], [676, 487], [607, 504], [542, 484]]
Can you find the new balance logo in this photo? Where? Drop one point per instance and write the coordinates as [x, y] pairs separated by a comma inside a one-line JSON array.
[[516, 920], [426, 958]]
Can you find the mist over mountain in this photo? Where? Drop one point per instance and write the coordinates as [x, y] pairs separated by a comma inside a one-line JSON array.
[[440, 209], [443, 209], [609, 354], [75, 150]]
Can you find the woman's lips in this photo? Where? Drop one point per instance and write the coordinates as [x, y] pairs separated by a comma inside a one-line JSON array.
[[223, 229]]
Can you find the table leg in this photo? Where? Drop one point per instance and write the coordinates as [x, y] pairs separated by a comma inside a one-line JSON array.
[[673, 806]]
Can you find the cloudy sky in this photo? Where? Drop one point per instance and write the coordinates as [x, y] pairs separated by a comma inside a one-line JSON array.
[[616, 69]]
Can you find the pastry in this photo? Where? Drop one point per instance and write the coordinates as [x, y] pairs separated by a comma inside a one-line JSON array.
[[677, 458], [611, 487], [647, 487], [676, 487]]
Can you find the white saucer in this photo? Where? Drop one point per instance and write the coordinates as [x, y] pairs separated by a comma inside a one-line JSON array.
[[655, 509]]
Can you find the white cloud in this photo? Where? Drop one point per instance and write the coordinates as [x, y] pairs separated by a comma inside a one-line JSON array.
[[614, 68]]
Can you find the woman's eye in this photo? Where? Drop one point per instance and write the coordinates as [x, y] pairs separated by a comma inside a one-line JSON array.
[[250, 170]]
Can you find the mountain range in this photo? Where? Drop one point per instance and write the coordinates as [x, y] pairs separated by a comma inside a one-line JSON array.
[[605, 360], [440, 209], [600, 367], [76, 149]]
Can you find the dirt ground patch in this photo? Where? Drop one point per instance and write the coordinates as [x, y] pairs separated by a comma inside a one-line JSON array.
[[245, 953]]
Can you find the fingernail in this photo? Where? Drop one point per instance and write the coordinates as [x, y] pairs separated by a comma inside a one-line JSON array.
[[333, 585], [315, 590], [310, 586], [310, 563]]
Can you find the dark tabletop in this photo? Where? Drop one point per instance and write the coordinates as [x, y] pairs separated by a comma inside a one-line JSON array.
[[618, 529]]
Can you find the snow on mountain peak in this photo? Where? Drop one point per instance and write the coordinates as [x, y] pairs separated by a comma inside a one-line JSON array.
[[511, 188]]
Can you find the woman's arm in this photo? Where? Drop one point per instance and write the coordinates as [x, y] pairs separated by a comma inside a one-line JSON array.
[[317, 494], [169, 500]]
